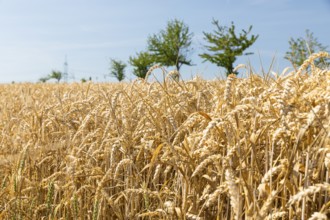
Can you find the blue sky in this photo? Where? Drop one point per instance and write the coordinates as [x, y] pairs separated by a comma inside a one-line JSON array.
[[36, 35]]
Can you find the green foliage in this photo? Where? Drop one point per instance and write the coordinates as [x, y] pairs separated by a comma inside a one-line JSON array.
[[171, 47], [302, 48], [141, 63], [225, 45], [43, 79], [117, 69], [55, 75]]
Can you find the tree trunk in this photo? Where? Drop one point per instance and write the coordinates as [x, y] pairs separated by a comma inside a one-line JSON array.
[[230, 69], [177, 67]]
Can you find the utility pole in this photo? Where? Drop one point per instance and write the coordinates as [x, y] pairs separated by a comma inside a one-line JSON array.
[[65, 70]]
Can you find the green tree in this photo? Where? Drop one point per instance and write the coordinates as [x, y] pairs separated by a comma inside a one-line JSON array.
[[301, 48], [225, 45], [171, 47], [55, 75], [43, 79], [141, 63], [117, 69]]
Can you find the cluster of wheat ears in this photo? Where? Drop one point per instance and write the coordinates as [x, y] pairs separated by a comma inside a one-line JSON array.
[[241, 148]]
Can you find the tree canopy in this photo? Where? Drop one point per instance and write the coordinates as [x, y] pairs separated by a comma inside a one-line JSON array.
[[56, 75], [225, 45], [302, 47], [172, 46], [117, 69], [141, 63]]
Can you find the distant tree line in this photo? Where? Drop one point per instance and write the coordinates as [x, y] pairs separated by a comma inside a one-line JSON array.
[[172, 46]]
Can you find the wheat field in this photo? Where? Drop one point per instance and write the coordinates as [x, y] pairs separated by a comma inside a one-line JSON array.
[[241, 148]]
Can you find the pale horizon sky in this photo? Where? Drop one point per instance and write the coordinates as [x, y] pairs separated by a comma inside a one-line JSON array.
[[37, 35]]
